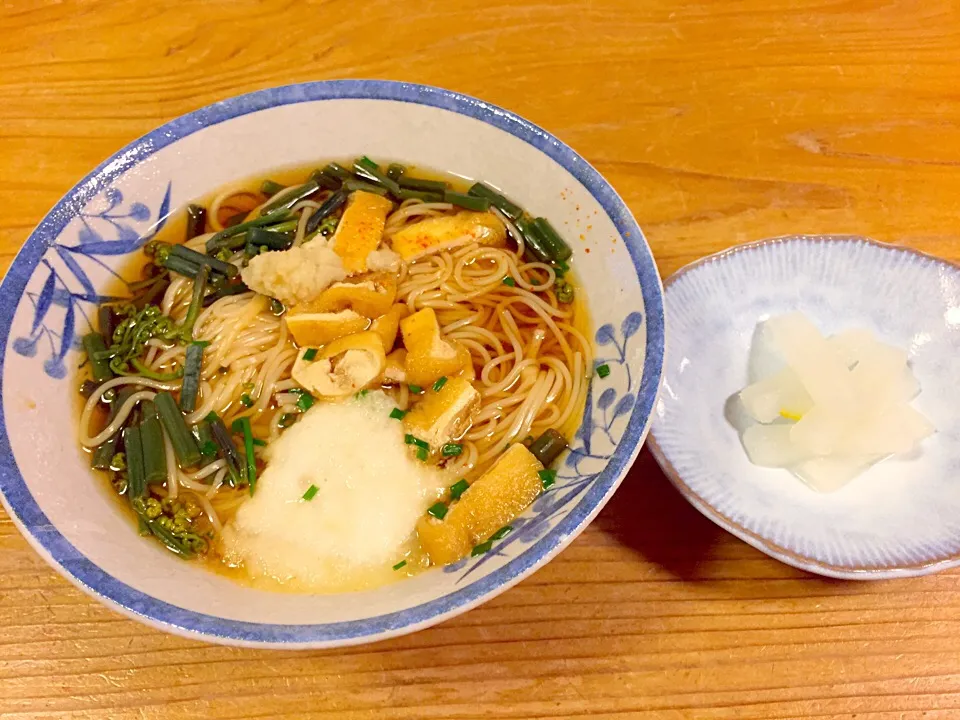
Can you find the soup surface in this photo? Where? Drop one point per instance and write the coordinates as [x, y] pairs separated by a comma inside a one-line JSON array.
[[332, 378]]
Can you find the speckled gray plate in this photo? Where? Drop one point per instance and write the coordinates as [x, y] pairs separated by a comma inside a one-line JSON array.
[[901, 517]]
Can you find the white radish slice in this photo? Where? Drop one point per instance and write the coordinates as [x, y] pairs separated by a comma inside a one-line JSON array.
[[821, 370], [770, 446], [828, 474], [765, 359], [896, 429], [852, 344], [821, 430], [780, 395]]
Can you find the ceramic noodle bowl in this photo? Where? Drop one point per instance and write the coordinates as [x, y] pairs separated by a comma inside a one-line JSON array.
[[68, 263]]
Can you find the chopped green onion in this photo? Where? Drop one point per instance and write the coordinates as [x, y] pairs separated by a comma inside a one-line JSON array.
[[439, 384], [548, 446], [408, 194], [151, 444], [201, 431], [603, 370], [196, 220], [438, 510], [286, 420], [509, 281], [468, 202], [242, 425], [96, 349], [395, 172], [451, 450], [305, 401], [558, 248], [310, 354], [400, 564], [246, 400], [268, 238], [398, 414], [459, 488], [329, 206], [361, 393], [508, 208], [369, 170], [259, 443], [535, 244], [311, 493], [290, 197], [227, 238], [501, 533], [422, 453], [430, 186], [360, 185], [412, 440], [547, 478], [415, 389], [136, 480], [103, 454], [191, 377], [184, 444], [271, 188], [227, 447], [338, 171], [481, 548], [224, 268], [277, 307]]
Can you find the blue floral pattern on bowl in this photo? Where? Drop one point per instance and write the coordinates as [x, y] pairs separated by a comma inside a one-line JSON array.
[[66, 291]]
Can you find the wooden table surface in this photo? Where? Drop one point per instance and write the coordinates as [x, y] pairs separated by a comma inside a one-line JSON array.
[[719, 123]]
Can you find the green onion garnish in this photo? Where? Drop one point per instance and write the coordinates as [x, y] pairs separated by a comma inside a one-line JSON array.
[[439, 384], [398, 414], [287, 419], [502, 532], [259, 443], [509, 281], [459, 488], [310, 354], [311, 493], [411, 440], [451, 450], [438, 510], [399, 564], [209, 448], [305, 402], [547, 478], [481, 548], [246, 400], [361, 394], [422, 454], [603, 370], [415, 389]]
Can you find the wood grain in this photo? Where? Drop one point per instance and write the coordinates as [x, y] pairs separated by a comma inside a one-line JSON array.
[[718, 122]]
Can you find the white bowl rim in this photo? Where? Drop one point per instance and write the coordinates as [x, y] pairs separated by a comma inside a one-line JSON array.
[[761, 543], [65, 558]]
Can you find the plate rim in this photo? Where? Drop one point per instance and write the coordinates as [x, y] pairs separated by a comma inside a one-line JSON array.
[[83, 573], [752, 538]]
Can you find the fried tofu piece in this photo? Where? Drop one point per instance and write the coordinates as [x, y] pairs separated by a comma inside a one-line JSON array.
[[360, 229], [443, 415], [317, 329], [437, 233], [494, 500], [343, 367], [387, 326], [370, 295], [429, 355]]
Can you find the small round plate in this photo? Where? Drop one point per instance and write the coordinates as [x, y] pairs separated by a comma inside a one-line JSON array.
[[901, 517]]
